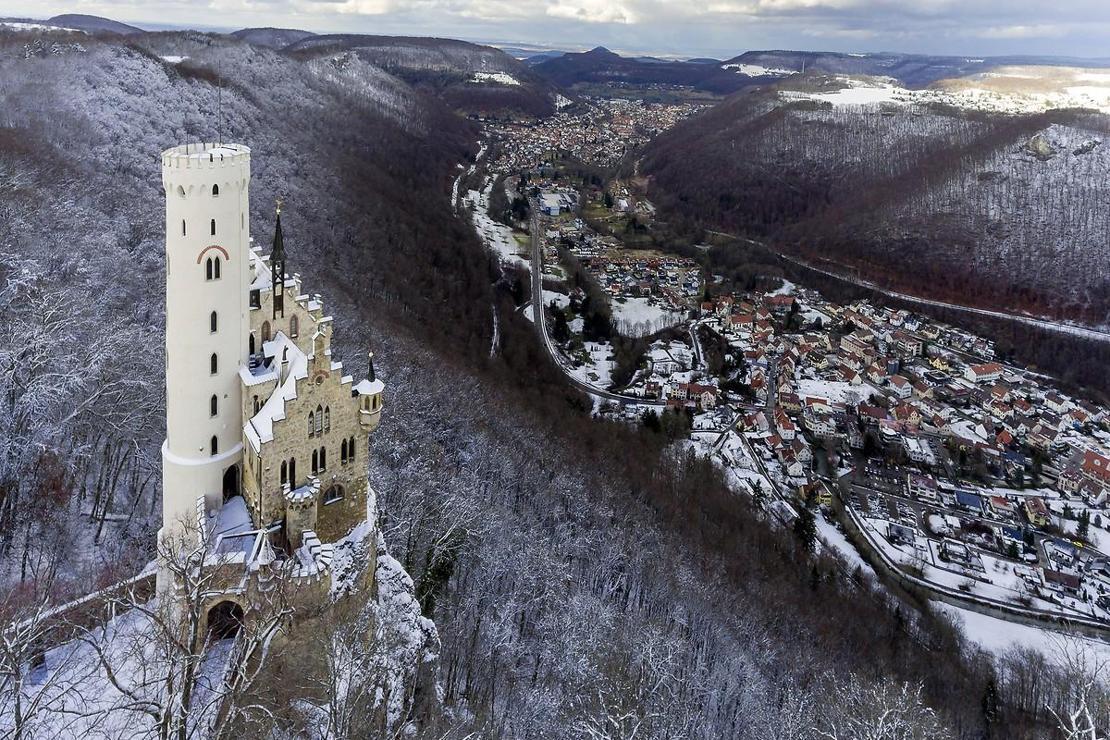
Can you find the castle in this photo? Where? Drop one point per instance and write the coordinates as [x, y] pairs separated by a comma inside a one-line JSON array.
[[267, 441]]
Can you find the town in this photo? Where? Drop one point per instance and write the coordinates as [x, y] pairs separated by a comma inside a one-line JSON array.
[[899, 443]]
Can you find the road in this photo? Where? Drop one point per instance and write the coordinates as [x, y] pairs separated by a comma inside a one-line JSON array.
[[1084, 332], [539, 315]]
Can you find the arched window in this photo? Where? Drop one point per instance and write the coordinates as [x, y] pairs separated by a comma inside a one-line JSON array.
[[183, 227], [215, 191], [265, 331], [351, 450], [311, 423], [334, 493], [213, 363], [212, 322], [257, 405], [315, 462], [319, 420], [213, 405], [250, 344], [208, 269], [216, 264], [323, 458], [343, 452], [215, 443], [293, 472], [294, 327], [284, 472], [327, 418], [213, 226]]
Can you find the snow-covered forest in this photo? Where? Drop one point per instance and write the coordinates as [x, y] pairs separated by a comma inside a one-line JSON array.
[[587, 580], [961, 205]]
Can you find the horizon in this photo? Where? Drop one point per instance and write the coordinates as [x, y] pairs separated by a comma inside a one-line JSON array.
[[979, 28]]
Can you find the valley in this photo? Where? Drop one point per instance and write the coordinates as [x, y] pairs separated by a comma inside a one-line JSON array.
[[643, 469]]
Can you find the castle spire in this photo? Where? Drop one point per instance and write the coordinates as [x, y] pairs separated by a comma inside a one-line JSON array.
[[277, 266]]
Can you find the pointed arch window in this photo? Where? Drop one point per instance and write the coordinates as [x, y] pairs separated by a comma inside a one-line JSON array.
[[213, 322], [327, 418], [343, 452], [334, 493], [311, 423], [319, 420], [214, 443], [284, 472], [250, 345], [213, 405], [209, 272], [212, 226], [351, 450], [213, 364], [323, 458], [315, 462], [216, 265], [294, 327], [293, 472], [215, 191]]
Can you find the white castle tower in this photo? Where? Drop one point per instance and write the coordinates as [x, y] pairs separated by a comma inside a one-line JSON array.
[[207, 324]]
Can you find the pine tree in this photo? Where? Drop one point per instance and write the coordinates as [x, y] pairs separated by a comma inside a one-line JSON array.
[[805, 527]]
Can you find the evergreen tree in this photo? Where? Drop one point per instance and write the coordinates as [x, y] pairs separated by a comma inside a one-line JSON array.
[[561, 330], [990, 708], [805, 527]]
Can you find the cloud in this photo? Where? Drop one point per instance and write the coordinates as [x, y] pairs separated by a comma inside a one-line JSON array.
[[1043, 30], [592, 11]]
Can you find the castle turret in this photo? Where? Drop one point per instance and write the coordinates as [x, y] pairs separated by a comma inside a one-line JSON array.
[[207, 325]]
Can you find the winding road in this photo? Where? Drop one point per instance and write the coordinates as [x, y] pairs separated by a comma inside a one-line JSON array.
[[540, 320]]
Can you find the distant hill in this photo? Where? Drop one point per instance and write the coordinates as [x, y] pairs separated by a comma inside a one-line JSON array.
[[912, 70], [604, 67], [472, 78], [271, 38], [92, 24], [970, 205]]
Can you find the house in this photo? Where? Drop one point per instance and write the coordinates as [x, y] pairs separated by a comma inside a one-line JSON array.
[[984, 373], [1096, 467], [1036, 511], [907, 344], [901, 386], [918, 451], [955, 551], [968, 500], [1065, 584], [550, 204], [922, 487], [1001, 506], [704, 396], [785, 426]]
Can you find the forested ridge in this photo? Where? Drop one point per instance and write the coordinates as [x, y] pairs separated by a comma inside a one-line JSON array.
[[588, 580], [987, 209]]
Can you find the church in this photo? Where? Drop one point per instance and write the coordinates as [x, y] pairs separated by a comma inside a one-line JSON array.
[[267, 440]]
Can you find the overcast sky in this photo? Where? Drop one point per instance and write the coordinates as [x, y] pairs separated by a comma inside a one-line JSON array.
[[719, 28]]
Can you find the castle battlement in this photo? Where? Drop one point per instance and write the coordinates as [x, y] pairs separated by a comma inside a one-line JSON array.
[[205, 155]]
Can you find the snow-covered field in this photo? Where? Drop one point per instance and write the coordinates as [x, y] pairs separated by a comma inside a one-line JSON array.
[[598, 370], [999, 636], [638, 317], [497, 236], [755, 70], [498, 78], [834, 391], [1004, 90]]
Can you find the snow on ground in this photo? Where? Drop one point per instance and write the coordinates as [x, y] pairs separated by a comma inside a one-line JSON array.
[[834, 391], [755, 70], [787, 288], [598, 370], [498, 78], [497, 236], [639, 317], [173, 59], [560, 299], [999, 635], [836, 540]]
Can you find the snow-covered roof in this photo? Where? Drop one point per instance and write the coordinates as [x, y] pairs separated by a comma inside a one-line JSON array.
[[367, 387], [260, 428]]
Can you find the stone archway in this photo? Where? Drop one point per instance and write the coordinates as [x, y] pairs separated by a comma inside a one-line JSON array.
[[231, 482], [225, 619]]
